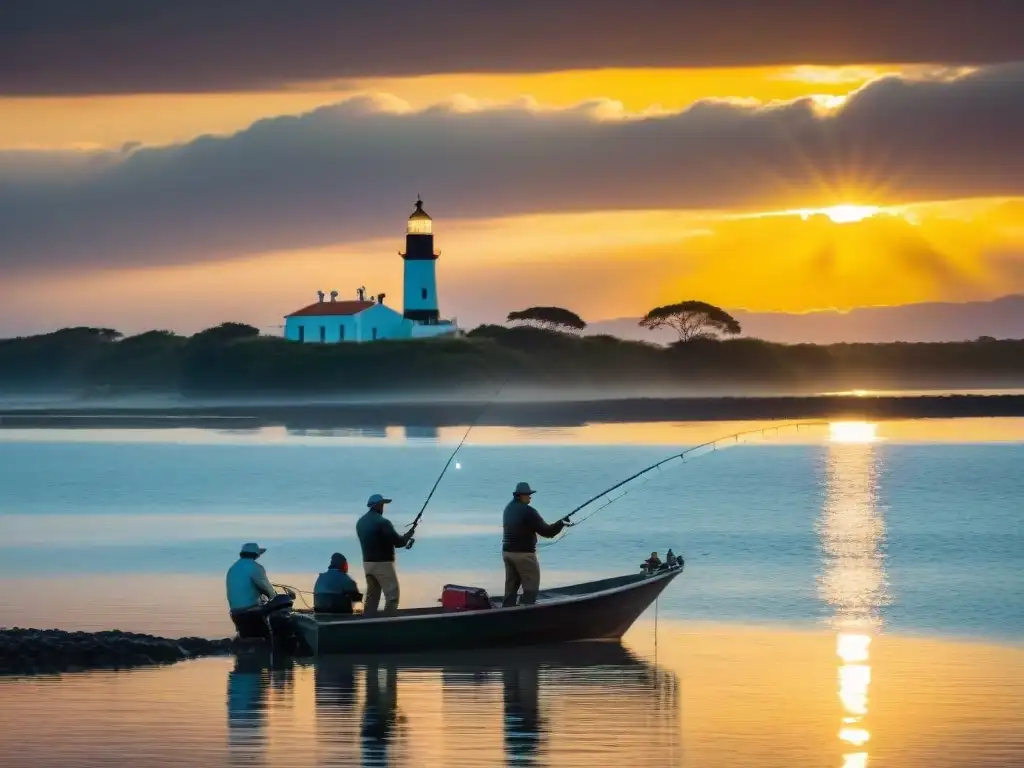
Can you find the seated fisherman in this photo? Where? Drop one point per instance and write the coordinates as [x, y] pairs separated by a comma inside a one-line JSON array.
[[335, 591], [248, 590], [652, 563]]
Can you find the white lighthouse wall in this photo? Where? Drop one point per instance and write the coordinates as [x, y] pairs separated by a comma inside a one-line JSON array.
[[387, 323], [420, 276]]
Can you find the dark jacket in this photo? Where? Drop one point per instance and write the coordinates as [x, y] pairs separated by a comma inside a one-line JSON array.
[[378, 538], [522, 524], [335, 592]]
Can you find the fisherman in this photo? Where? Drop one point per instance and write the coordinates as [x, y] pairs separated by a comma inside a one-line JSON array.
[[335, 591], [248, 590], [652, 563], [378, 539], [522, 524]]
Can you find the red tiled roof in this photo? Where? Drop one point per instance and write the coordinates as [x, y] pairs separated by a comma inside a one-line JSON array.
[[332, 308]]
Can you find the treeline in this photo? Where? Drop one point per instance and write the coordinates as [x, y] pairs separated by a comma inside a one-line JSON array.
[[234, 358]]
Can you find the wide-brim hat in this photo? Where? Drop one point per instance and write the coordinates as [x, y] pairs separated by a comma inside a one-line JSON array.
[[377, 499], [252, 548], [523, 489]]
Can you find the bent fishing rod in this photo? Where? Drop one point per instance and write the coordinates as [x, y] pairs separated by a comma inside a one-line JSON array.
[[487, 405], [713, 444]]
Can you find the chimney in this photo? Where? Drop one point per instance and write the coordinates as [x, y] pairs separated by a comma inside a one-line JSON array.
[[361, 293], [380, 298], [334, 296], [320, 296]]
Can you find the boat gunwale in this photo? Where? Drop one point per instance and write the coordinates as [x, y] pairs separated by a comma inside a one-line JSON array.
[[442, 614]]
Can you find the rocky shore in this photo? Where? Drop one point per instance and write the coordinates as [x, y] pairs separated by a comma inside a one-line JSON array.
[[53, 651]]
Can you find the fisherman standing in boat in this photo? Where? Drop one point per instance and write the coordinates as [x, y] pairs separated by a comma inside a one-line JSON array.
[[522, 524], [378, 539]]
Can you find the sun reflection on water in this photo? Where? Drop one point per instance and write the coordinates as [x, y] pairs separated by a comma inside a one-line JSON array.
[[853, 578]]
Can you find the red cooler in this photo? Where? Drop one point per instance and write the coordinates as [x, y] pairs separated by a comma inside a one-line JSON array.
[[458, 598]]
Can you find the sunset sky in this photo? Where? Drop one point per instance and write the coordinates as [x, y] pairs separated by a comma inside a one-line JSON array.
[[177, 165]]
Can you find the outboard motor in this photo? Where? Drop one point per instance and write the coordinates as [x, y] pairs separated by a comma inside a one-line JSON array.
[[272, 625], [282, 629]]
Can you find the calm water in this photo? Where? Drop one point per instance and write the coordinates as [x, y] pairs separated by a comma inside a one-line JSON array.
[[846, 600]]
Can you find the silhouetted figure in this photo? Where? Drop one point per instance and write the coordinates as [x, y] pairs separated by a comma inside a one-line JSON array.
[[378, 539], [334, 684], [379, 712], [249, 682], [652, 563], [522, 713], [247, 584], [521, 525], [335, 591]]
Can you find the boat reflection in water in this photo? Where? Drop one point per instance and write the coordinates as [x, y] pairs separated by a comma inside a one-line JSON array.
[[250, 684], [557, 705], [853, 578]]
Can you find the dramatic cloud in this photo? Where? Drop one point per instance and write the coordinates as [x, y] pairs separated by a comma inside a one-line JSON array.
[[105, 46], [349, 172]]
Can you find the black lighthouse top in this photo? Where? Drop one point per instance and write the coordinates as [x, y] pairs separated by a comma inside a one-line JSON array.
[[419, 235]]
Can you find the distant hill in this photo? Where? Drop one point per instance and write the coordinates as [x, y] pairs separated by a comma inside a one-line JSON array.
[[932, 322]]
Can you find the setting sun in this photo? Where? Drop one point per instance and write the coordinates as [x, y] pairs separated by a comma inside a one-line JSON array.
[[844, 214]]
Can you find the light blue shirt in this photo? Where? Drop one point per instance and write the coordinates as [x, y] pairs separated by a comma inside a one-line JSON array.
[[246, 582]]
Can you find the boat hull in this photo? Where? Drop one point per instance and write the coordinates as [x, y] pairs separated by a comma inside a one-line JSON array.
[[595, 611]]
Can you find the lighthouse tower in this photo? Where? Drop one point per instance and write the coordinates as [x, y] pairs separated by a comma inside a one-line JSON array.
[[420, 262]]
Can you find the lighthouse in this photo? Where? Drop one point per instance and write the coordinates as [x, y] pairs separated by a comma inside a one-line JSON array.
[[366, 317], [420, 268]]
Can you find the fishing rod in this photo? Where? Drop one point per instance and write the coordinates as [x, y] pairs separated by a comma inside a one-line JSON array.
[[683, 456], [487, 405]]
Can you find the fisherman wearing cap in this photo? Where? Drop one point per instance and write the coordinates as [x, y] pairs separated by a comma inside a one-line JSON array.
[[335, 591], [378, 539], [522, 524], [247, 581]]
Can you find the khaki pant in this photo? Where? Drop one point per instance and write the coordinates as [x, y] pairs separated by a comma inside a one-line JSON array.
[[521, 569], [380, 577]]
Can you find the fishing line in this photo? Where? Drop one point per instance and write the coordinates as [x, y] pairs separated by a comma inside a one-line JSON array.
[[296, 590], [487, 405], [712, 446]]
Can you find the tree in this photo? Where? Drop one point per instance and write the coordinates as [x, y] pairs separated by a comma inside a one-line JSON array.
[[226, 332], [550, 318], [82, 332], [692, 320]]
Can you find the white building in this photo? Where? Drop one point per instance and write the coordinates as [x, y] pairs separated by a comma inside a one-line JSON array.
[[362, 319]]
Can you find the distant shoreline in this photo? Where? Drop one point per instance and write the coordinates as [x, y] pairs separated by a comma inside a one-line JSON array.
[[232, 365], [518, 414]]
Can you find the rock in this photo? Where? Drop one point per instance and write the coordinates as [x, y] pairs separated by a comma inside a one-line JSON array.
[[54, 651]]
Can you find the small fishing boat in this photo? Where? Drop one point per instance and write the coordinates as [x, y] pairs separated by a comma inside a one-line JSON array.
[[594, 610]]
